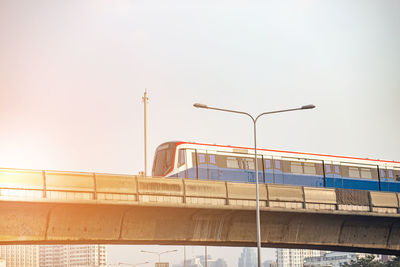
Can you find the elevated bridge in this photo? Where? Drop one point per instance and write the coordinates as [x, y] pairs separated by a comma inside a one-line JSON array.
[[52, 207]]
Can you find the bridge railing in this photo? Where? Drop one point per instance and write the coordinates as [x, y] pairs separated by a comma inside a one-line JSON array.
[[58, 186]]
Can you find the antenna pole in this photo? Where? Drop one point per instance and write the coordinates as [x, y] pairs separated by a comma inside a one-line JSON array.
[[145, 99]]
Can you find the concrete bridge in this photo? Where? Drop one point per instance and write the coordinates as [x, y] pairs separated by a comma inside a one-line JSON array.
[[52, 207]]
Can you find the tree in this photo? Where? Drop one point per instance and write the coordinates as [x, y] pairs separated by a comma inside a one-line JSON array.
[[395, 262], [368, 261]]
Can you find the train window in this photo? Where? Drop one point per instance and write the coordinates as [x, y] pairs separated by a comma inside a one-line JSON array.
[[267, 164], [354, 172], [337, 169], [221, 161], [194, 159], [366, 173], [319, 170], [163, 160], [309, 168], [390, 174], [277, 164], [181, 160], [202, 159], [382, 173], [232, 162], [286, 166], [296, 167], [251, 164], [248, 164], [397, 175], [212, 159], [328, 168]]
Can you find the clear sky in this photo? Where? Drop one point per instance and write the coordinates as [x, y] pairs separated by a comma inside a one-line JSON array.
[[72, 74]]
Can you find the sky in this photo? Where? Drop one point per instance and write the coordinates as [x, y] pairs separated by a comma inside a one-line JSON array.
[[72, 75]]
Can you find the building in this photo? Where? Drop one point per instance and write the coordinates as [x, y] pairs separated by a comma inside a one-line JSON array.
[[199, 262], [269, 263], [20, 255], [72, 255], [53, 255], [295, 257], [195, 262], [211, 262], [248, 258], [332, 259], [337, 259]]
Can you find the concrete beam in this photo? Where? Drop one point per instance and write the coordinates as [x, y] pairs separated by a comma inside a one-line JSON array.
[[63, 223]]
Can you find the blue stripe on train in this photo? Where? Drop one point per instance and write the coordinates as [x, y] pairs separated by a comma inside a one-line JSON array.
[[278, 177]]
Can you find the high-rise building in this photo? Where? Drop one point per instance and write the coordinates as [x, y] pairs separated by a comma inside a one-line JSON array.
[[2, 262], [20, 255], [72, 255], [54, 255], [295, 257], [248, 258]]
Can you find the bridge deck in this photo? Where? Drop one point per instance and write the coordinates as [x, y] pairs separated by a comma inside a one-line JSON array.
[[64, 207]]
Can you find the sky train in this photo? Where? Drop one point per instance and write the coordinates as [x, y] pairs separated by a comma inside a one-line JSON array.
[[236, 164]]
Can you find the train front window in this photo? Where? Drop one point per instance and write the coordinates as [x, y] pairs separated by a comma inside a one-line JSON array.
[[181, 160], [163, 161]]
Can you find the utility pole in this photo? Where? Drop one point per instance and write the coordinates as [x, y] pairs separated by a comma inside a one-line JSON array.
[[145, 99], [205, 257], [184, 256]]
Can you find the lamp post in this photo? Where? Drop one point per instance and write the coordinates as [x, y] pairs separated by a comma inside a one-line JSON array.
[[197, 105], [159, 253], [130, 264]]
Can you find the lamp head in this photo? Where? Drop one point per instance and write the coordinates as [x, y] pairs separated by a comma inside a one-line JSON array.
[[198, 105], [311, 106]]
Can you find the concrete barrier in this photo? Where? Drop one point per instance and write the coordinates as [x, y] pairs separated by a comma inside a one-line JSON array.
[[163, 186], [319, 195], [21, 179], [381, 199], [285, 193], [69, 181], [195, 188], [246, 191], [352, 197], [108, 183]]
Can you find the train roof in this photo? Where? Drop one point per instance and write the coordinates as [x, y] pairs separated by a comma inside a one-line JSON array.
[[292, 152]]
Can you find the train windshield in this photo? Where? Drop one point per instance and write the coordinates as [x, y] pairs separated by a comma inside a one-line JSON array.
[[163, 159]]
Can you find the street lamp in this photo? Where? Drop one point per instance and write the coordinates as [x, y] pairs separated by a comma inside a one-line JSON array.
[[130, 264], [159, 253], [197, 105]]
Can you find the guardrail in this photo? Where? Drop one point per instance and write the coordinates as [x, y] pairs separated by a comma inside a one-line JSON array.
[[35, 185]]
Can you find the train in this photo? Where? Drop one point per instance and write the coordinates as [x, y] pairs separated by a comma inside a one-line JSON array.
[[236, 164]]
